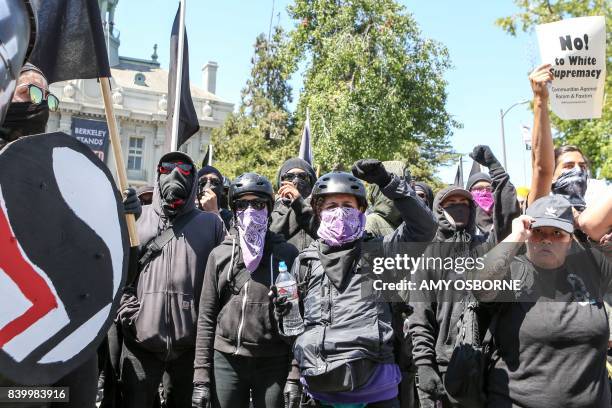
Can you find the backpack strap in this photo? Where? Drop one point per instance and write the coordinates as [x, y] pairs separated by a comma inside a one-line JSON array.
[[154, 247]]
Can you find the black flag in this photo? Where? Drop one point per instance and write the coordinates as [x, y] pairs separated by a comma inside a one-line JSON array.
[[70, 40], [459, 175], [188, 120], [475, 169]]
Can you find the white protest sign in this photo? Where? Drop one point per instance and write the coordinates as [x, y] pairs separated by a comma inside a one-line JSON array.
[[576, 49]]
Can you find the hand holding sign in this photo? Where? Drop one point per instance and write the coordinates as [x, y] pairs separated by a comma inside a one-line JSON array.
[[576, 50], [540, 78]]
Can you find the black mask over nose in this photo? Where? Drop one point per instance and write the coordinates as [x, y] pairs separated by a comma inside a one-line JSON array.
[[460, 214], [302, 186], [175, 189], [24, 119]]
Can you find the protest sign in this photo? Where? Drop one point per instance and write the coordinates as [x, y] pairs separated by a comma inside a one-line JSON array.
[[576, 49], [64, 256], [93, 133]]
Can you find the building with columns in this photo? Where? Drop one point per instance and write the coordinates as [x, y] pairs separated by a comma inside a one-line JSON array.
[[140, 89]]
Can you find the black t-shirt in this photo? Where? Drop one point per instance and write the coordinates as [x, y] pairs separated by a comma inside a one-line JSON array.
[[552, 351]]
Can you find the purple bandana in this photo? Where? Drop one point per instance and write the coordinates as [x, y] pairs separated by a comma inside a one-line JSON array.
[[341, 225], [252, 227], [484, 199]]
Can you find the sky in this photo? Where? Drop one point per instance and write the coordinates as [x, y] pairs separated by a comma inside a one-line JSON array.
[[490, 67]]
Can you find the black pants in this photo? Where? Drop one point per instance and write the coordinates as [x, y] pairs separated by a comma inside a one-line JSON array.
[[237, 378], [82, 384], [142, 371]]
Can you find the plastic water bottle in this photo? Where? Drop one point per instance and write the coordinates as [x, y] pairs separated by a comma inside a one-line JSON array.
[[293, 324]]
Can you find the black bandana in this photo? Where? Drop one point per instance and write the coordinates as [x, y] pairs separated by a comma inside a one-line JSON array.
[[24, 119]]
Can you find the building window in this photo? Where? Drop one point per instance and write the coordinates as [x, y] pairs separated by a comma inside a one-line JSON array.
[[135, 152]]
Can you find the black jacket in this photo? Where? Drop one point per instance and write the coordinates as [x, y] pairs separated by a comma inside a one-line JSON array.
[[433, 323], [295, 221], [236, 315], [341, 325]]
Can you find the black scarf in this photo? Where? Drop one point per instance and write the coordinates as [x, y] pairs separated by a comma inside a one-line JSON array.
[[338, 262]]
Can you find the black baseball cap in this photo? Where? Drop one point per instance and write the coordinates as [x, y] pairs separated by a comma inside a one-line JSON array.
[[552, 211]]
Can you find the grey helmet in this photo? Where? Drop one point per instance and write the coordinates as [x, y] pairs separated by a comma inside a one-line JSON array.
[[251, 183], [340, 182]]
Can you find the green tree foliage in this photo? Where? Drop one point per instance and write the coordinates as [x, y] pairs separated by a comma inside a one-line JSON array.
[[373, 84], [258, 137], [592, 136]]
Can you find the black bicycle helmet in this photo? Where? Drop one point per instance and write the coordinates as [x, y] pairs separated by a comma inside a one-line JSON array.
[[339, 182], [251, 183]]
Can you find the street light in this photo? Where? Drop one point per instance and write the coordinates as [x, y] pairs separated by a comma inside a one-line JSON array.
[[503, 136]]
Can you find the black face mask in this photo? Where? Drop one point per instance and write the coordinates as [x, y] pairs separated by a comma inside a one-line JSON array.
[[460, 214], [573, 185], [175, 189], [25, 118], [302, 186]]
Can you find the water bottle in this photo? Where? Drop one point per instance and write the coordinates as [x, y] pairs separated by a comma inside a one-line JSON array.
[[293, 324]]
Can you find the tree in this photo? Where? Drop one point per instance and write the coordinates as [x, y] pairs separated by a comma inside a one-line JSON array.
[[373, 85], [592, 136], [258, 137]]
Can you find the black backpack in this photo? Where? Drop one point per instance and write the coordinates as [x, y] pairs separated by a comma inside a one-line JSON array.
[[468, 368]]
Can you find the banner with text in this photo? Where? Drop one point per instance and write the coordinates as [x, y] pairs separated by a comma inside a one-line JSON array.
[[576, 49], [93, 133]]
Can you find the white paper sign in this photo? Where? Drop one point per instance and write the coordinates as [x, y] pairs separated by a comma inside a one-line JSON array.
[[576, 49]]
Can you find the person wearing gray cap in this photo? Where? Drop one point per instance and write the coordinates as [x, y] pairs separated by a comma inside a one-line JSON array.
[[551, 349]]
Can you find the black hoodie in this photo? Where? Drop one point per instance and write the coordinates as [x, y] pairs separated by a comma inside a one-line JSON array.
[[433, 324], [162, 315]]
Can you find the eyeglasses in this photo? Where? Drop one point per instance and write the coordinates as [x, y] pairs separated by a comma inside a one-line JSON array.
[[37, 95], [213, 181], [242, 205], [292, 176], [167, 167]]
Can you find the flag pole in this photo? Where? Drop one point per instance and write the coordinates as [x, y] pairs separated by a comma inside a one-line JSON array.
[[116, 145], [179, 78]]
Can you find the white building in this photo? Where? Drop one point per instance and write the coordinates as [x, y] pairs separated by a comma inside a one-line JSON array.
[[140, 90]]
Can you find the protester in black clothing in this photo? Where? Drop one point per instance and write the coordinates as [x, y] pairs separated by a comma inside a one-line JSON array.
[[433, 323], [357, 362], [424, 192], [145, 195], [28, 112], [551, 348], [239, 352], [210, 193], [159, 315], [493, 193], [292, 215]]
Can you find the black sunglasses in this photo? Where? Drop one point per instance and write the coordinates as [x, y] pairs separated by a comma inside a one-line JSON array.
[[242, 205], [213, 181], [292, 176]]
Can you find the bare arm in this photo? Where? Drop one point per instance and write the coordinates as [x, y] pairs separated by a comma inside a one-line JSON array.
[[596, 220], [542, 153]]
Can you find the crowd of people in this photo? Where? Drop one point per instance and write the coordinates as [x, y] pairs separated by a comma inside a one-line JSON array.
[[201, 322]]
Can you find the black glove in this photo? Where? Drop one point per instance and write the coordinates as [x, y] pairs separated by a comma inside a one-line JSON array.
[[430, 381], [372, 171], [131, 203], [292, 394], [200, 397], [484, 156], [281, 305]]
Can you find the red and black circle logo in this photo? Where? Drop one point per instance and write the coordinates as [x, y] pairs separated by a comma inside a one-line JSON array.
[[63, 256]]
